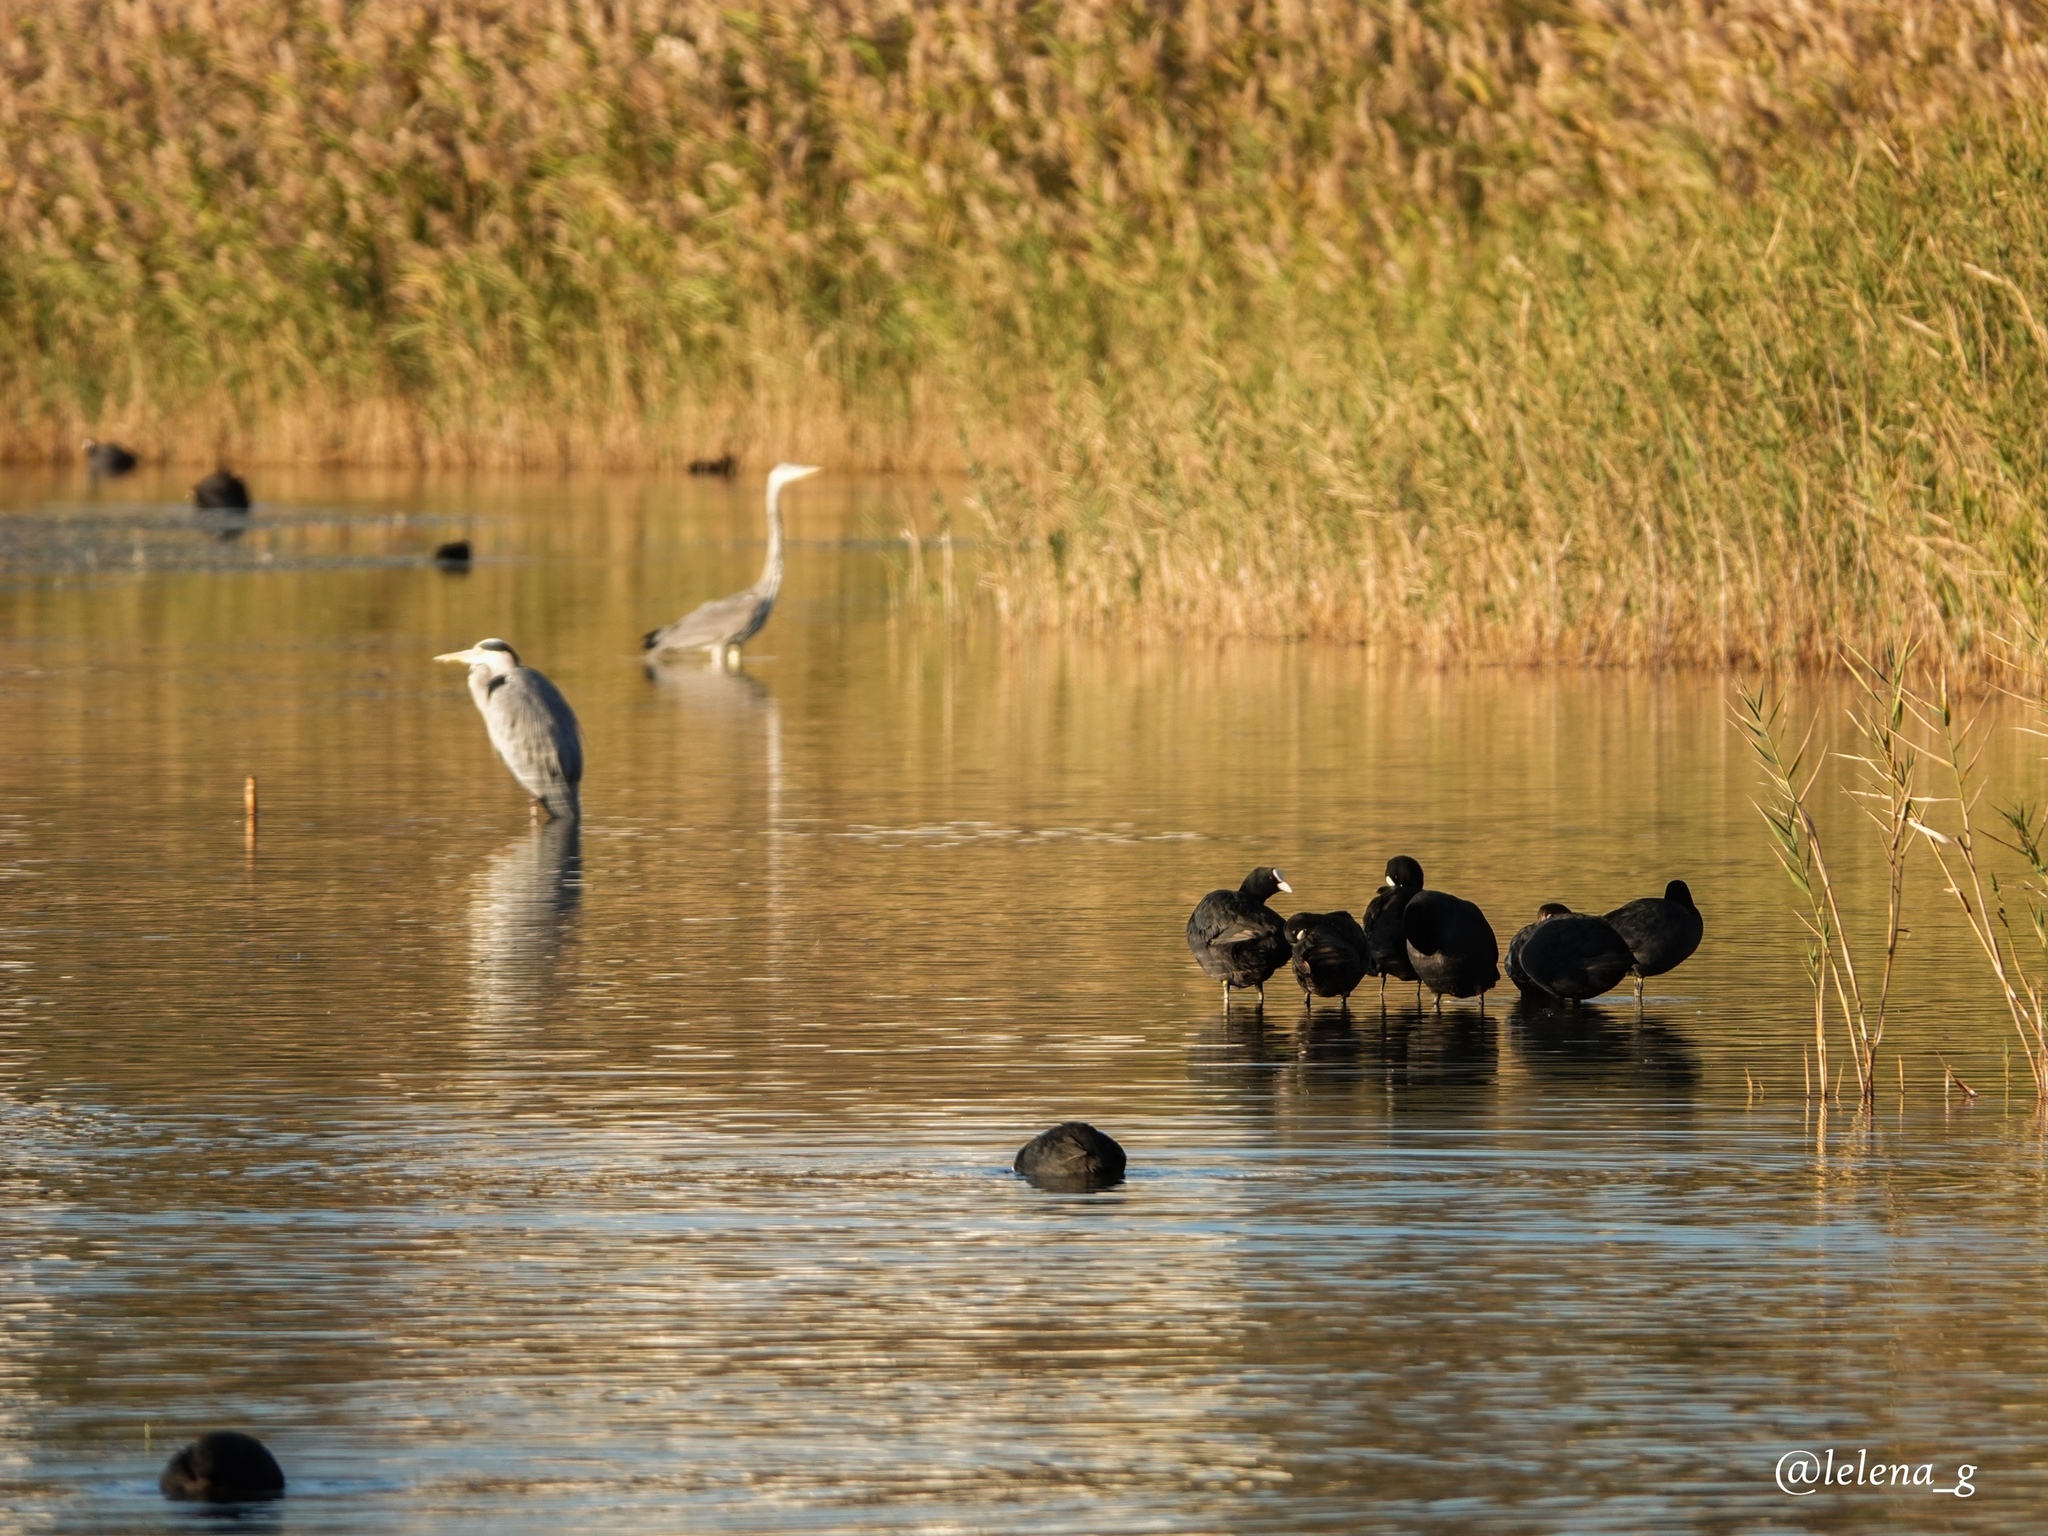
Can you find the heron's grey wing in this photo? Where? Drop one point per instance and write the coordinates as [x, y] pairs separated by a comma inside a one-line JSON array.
[[712, 623], [536, 734]]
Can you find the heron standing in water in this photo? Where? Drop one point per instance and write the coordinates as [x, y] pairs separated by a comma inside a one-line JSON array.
[[530, 724], [724, 624]]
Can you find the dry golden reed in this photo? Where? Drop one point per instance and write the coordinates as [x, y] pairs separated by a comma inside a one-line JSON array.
[[1513, 329]]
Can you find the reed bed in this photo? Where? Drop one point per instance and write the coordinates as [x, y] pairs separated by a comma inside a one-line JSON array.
[[1489, 329]]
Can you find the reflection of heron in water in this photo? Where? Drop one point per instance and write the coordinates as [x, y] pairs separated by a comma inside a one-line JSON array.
[[522, 913], [717, 706], [708, 693], [724, 624]]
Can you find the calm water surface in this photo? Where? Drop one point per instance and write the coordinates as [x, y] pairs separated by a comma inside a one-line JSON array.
[[656, 1178]]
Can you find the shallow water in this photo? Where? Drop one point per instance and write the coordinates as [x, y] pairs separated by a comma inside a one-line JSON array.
[[657, 1178]]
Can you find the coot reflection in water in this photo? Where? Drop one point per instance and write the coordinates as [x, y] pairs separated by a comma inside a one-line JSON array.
[[1594, 1049], [1333, 1052]]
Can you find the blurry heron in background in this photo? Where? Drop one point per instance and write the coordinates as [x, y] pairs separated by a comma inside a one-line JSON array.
[[724, 624], [530, 724]]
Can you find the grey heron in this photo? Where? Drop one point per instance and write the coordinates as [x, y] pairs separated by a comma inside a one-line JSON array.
[[530, 724], [724, 624]]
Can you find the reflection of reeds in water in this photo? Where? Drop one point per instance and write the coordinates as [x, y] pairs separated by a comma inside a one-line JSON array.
[[521, 916]]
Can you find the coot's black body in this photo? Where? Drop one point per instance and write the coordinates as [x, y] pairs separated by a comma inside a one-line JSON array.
[[1568, 955], [1660, 931], [107, 459], [1451, 946], [1386, 945], [221, 492], [1071, 1156], [452, 557], [725, 465], [1513, 963], [1236, 938], [1328, 953], [223, 1466]]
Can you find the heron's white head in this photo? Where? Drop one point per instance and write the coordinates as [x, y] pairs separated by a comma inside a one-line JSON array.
[[494, 654], [789, 474]]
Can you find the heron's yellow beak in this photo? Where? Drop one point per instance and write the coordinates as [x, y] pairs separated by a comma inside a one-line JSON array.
[[464, 657]]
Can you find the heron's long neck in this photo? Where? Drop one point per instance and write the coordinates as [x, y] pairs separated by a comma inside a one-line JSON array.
[[771, 572]]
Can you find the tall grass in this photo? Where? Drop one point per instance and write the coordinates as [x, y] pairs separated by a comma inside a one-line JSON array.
[[1514, 329], [1884, 789]]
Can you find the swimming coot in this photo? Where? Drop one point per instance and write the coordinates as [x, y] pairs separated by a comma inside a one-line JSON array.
[[1071, 1156], [1660, 931], [1567, 955], [223, 1466], [1451, 946], [1328, 954], [1386, 948], [221, 492], [453, 556], [108, 459], [724, 465], [1236, 938]]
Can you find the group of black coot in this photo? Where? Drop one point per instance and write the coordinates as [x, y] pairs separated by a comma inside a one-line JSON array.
[[226, 491], [1436, 940], [1410, 933], [221, 491]]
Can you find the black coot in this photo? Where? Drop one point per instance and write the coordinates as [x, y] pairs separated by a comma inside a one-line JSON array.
[[223, 1466], [452, 557], [1236, 938], [221, 492], [1567, 955], [725, 465], [108, 459], [1072, 1156], [1513, 964], [1660, 931], [1451, 946], [1328, 954], [1386, 946]]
